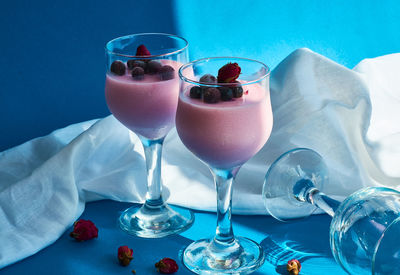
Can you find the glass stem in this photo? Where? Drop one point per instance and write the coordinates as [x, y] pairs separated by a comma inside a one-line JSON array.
[[223, 182], [322, 201], [152, 152], [305, 191]]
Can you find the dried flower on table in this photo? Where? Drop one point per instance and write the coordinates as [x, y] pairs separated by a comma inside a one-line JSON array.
[[167, 266], [125, 255], [84, 230], [293, 267]]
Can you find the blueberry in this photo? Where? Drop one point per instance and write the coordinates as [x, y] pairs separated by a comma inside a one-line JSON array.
[[226, 93], [208, 78], [132, 63], [137, 73], [118, 67], [237, 90], [196, 92], [153, 67], [211, 95], [166, 72]]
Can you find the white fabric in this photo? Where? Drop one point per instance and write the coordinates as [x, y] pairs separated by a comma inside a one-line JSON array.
[[45, 183]]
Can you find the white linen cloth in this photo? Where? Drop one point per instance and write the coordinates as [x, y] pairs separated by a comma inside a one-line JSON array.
[[351, 117]]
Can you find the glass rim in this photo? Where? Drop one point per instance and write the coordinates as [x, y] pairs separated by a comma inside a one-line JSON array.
[[106, 47], [184, 78], [382, 236]]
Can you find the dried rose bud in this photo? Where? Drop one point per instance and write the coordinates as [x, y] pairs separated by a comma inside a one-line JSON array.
[[142, 51], [167, 266], [125, 255], [84, 230], [229, 73], [293, 267]]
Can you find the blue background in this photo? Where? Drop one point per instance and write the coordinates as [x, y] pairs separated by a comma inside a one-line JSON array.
[[52, 52], [52, 74]]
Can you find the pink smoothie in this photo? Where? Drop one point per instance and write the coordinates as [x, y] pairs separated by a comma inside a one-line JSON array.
[[148, 106], [225, 134]]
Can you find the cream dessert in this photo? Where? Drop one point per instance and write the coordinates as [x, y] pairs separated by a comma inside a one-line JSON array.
[[144, 95], [225, 132]]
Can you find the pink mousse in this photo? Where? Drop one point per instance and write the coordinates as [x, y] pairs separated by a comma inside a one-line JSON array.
[[225, 134], [148, 106]]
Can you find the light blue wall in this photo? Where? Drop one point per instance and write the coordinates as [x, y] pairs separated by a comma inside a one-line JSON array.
[[346, 31]]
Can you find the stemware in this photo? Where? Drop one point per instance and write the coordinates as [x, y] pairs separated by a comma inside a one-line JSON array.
[[141, 90], [224, 133], [365, 226]]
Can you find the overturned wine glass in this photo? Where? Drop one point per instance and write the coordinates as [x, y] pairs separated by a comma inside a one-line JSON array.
[[365, 228]]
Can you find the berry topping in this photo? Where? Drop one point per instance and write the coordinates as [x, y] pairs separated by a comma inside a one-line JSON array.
[[153, 67], [226, 93], [166, 72], [229, 73], [196, 92], [167, 266], [237, 90], [125, 255], [136, 63], [118, 67], [211, 95], [142, 51], [137, 73], [84, 230], [208, 78], [293, 267]]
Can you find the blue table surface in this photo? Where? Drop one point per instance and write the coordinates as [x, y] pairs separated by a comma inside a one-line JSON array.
[[304, 239]]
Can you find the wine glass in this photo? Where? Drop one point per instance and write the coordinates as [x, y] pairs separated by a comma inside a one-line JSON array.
[[224, 125], [141, 90], [365, 227]]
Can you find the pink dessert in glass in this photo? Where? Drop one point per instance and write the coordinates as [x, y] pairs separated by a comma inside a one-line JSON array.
[[224, 121], [146, 106], [227, 133], [142, 90]]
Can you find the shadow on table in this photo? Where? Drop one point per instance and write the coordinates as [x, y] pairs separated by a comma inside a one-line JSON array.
[[99, 256], [306, 240], [278, 254]]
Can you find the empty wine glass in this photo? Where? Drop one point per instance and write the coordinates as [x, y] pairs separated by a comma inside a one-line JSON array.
[[365, 228]]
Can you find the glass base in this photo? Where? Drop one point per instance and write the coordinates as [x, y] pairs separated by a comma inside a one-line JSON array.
[[293, 172], [208, 256], [155, 222]]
